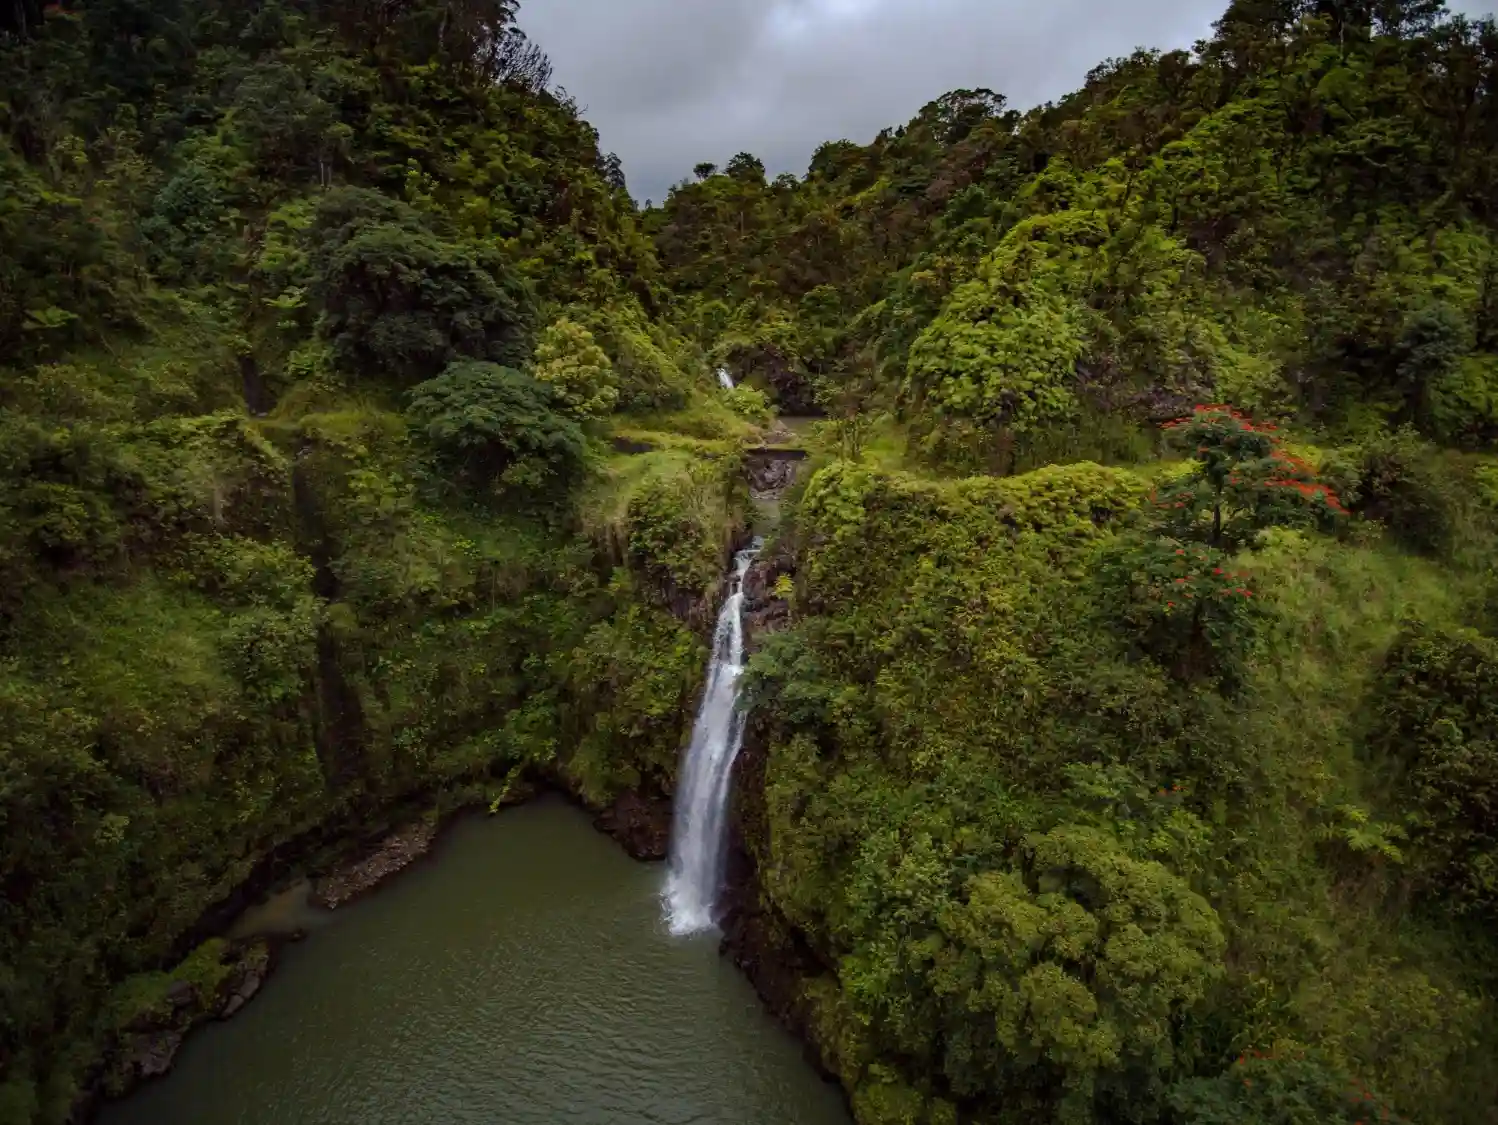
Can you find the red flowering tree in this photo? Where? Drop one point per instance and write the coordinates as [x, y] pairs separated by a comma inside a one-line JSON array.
[[1173, 586], [1183, 605], [1243, 482]]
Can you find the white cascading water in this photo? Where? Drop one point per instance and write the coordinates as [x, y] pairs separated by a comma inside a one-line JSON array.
[[701, 815], [725, 380]]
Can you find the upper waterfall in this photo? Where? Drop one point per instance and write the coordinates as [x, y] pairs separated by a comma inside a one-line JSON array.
[[700, 821]]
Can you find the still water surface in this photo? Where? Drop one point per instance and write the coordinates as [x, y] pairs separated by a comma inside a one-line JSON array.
[[522, 977]]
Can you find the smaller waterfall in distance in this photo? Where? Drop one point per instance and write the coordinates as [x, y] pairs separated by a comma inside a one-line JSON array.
[[725, 380], [701, 814]]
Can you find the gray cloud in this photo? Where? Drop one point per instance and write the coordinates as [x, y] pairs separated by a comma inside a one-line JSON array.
[[669, 83]]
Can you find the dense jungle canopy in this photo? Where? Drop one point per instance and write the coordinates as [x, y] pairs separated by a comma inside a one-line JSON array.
[[1130, 753]]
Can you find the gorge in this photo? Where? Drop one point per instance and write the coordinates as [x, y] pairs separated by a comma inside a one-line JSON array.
[[1102, 730]]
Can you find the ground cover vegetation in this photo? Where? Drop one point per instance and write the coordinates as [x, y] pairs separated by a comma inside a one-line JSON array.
[[314, 323], [1147, 774], [360, 443]]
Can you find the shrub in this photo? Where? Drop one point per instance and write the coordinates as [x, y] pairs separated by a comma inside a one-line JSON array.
[[1279, 1089], [1242, 482], [493, 424], [1438, 722], [1078, 965], [750, 403], [678, 526], [1391, 477], [1183, 605], [579, 372], [1464, 403]]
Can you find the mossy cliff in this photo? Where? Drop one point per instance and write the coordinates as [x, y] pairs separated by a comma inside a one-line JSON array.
[[1006, 858]]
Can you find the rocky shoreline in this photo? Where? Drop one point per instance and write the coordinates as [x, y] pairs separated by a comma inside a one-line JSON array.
[[392, 855]]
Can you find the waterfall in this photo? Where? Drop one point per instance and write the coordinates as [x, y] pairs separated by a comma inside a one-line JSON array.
[[700, 822], [725, 380]]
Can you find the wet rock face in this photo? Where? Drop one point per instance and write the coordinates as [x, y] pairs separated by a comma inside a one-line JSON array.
[[147, 1048], [151, 1055], [764, 612], [641, 824], [772, 471]]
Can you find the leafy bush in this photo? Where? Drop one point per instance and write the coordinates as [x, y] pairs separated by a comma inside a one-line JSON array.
[[679, 527], [1013, 368], [577, 369], [1289, 1088], [1071, 502], [1078, 967], [1183, 605], [1464, 402], [1437, 707], [1393, 478], [636, 676], [1241, 482], [750, 404], [497, 425]]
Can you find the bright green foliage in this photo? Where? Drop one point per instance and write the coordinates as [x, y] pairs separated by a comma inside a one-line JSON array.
[[750, 404], [1464, 401], [639, 672], [1438, 724], [1010, 366], [241, 605], [948, 727], [494, 424], [676, 528], [1080, 967], [577, 369]]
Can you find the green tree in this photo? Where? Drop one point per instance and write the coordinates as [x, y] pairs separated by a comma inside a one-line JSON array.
[[403, 302], [1242, 481], [1078, 966], [577, 369], [496, 425]]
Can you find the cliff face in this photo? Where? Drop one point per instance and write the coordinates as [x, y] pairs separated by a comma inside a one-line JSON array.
[[768, 949]]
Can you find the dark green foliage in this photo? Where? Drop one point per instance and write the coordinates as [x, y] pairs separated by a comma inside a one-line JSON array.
[[494, 425], [239, 603], [1437, 721], [403, 303], [1293, 1089], [1241, 482], [1058, 847]]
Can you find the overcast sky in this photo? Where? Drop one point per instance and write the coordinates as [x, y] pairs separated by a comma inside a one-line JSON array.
[[669, 83]]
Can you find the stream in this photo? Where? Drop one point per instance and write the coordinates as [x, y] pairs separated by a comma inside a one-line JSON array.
[[522, 975]]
